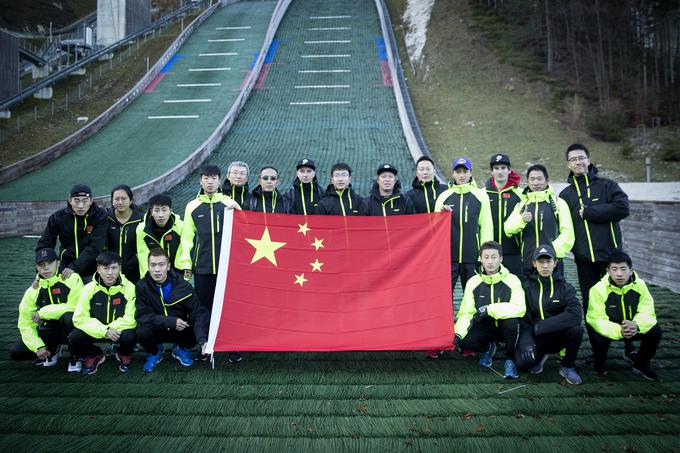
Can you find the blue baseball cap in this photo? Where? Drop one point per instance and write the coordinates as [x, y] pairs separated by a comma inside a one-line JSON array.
[[462, 162]]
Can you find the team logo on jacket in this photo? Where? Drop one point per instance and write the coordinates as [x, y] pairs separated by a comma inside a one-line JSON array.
[[506, 195], [88, 229], [168, 237], [115, 301], [56, 291]]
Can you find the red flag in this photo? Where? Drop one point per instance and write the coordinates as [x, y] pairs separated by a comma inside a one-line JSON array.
[[332, 283]]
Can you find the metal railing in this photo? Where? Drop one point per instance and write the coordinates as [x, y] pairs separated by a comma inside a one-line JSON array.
[[52, 79]]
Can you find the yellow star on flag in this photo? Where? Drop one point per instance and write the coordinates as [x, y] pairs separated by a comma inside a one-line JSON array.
[[300, 279], [303, 229], [265, 248], [318, 244], [316, 265]]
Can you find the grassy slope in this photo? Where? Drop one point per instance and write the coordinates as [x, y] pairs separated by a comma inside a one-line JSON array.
[[468, 103]]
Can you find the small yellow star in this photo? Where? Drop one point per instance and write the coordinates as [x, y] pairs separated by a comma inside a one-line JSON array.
[[316, 265], [303, 229], [300, 279], [318, 244], [265, 247]]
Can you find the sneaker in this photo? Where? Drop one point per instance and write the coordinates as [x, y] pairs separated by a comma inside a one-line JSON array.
[[124, 362], [203, 357], [50, 361], [560, 355], [510, 370], [112, 350], [75, 366], [646, 372], [538, 368], [432, 355], [152, 360], [601, 370], [570, 375], [182, 355], [487, 357], [234, 357], [91, 364], [629, 355]]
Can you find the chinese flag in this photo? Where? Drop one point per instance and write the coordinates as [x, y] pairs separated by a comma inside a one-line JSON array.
[[332, 283]]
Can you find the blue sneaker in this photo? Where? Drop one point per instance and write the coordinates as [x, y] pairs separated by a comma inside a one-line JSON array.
[[538, 368], [153, 359], [182, 355], [487, 357], [570, 375], [510, 370]]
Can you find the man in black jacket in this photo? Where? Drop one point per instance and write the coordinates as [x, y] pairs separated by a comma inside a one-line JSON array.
[[266, 197], [597, 205], [168, 311], [385, 198], [553, 318], [236, 184], [81, 230], [425, 188], [305, 193], [339, 198]]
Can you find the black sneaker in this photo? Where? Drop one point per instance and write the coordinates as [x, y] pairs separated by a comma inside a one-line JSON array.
[[601, 370], [203, 357], [630, 355], [235, 357], [646, 372]]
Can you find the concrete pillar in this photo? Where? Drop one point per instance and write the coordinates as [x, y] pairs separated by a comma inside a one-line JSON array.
[[110, 21], [40, 72]]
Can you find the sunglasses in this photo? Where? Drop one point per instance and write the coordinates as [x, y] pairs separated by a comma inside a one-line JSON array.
[[269, 178]]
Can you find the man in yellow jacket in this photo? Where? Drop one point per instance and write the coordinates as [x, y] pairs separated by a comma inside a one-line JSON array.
[[105, 312], [491, 310], [46, 312], [621, 308]]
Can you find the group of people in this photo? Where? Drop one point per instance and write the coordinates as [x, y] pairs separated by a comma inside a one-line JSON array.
[[507, 247]]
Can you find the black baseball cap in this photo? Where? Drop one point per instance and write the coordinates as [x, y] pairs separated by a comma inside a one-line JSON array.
[[544, 250], [497, 159], [81, 190], [305, 163], [387, 167], [45, 254]]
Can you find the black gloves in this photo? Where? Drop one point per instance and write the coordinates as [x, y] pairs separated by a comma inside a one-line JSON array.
[[456, 342], [529, 354]]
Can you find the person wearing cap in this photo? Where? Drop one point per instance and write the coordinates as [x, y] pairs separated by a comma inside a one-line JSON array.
[[46, 313], [168, 311], [540, 218], [622, 308], [425, 188], [471, 222], [553, 318], [236, 184], [161, 228], [105, 312], [491, 310], [340, 198], [305, 193], [266, 197], [121, 237], [80, 228], [597, 205], [385, 198], [504, 193]]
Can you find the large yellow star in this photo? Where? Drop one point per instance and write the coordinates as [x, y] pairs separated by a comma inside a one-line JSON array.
[[300, 279], [265, 247], [316, 265], [303, 229], [318, 244]]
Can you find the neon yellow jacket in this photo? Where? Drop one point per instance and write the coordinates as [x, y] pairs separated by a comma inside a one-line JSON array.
[[502, 292], [169, 240], [199, 249], [100, 308], [471, 222], [551, 224], [51, 300], [609, 306]]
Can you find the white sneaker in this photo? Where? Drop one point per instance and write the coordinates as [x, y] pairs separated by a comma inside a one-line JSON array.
[[51, 361], [75, 366]]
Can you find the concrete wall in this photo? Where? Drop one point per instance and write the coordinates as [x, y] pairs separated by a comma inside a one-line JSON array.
[[137, 16], [110, 21], [651, 235], [9, 69]]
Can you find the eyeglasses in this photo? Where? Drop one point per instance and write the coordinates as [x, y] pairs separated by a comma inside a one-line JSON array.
[[269, 178], [577, 159]]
